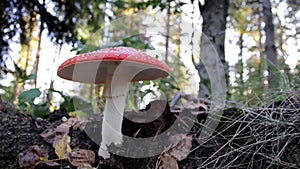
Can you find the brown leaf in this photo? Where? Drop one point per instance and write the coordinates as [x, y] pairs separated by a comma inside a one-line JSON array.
[[81, 157], [62, 147], [62, 129], [53, 135], [51, 163], [182, 146], [167, 162], [80, 123], [48, 135], [32, 156], [71, 121]]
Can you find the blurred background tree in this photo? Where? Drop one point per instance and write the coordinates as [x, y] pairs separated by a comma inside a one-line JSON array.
[[91, 25], [66, 22], [255, 74]]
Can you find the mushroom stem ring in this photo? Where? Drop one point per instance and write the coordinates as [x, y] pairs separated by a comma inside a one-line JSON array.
[[115, 91]]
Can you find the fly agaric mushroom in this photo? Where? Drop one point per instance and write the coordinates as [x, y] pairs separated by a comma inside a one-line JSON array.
[[115, 67]]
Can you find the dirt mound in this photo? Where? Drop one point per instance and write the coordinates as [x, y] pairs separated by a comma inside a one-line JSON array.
[[245, 138]]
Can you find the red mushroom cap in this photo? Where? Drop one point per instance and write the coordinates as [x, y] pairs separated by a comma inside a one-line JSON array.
[[92, 67]]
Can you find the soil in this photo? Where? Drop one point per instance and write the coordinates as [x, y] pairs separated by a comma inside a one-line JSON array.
[[20, 131]]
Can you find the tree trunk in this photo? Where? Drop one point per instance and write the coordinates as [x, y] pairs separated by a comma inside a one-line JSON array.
[[270, 44], [38, 54], [167, 32], [241, 64], [261, 52], [214, 14]]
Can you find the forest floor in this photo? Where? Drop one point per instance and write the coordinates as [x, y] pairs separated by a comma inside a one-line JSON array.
[[245, 138]]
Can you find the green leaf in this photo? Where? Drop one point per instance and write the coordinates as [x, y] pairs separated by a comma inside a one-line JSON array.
[[40, 110], [29, 96], [182, 3], [31, 77], [146, 82], [23, 106]]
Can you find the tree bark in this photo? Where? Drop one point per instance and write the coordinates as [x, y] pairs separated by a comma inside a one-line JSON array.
[[214, 14], [38, 54], [241, 64], [270, 44], [261, 51], [167, 32]]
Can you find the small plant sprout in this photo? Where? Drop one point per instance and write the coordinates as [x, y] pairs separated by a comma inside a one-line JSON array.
[[115, 68]]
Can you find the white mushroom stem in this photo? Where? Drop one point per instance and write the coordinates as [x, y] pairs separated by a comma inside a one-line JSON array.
[[115, 92]]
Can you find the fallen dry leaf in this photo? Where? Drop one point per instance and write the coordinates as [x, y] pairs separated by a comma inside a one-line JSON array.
[[62, 129], [62, 147], [80, 158], [182, 145], [32, 156], [51, 163], [48, 135], [167, 162], [80, 123], [53, 135], [71, 121], [59, 138]]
